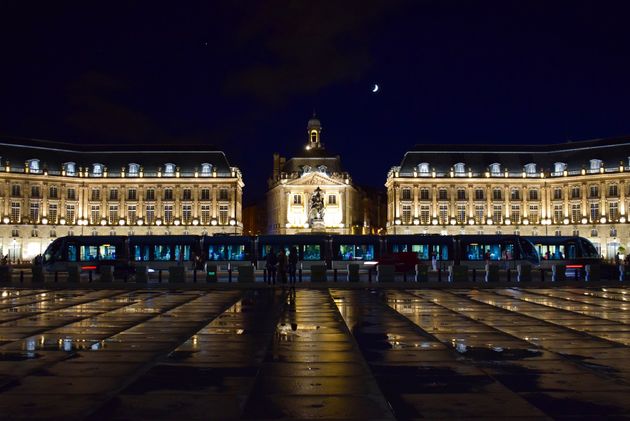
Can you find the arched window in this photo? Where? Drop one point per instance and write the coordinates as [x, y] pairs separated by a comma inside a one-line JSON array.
[[70, 167], [495, 169], [460, 169], [530, 169], [423, 169], [559, 167], [206, 169], [134, 170], [97, 170], [169, 170]]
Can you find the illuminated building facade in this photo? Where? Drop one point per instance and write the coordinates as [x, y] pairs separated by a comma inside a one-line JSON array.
[[298, 182], [53, 189], [576, 188]]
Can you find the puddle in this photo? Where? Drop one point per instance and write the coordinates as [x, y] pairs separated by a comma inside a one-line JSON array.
[[496, 353]]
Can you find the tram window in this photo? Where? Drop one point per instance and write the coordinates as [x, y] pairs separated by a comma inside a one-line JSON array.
[[216, 252], [422, 250], [162, 252], [475, 251], [140, 253], [72, 253], [237, 252], [588, 249], [182, 253], [356, 252], [88, 253], [107, 252], [312, 252], [399, 248]]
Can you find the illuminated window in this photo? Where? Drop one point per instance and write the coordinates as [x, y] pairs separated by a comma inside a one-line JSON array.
[[187, 213], [95, 214], [557, 214], [406, 214], [534, 216], [134, 170], [423, 169], [97, 170], [497, 214], [33, 166], [559, 167], [613, 211], [70, 168], [205, 214], [52, 213], [425, 214], [149, 212], [223, 214], [530, 169], [443, 214], [594, 212], [168, 214], [461, 214], [113, 214], [16, 212], [206, 170], [169, 170], [460, 169], [576, 213], [515, 214], [132, 214], [495, 169], [70, 214], [595, 164]]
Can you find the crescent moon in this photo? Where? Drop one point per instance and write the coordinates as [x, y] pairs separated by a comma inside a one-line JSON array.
[[375, 89]]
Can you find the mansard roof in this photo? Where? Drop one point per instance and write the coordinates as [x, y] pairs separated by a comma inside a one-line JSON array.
[[576, 155], [53, 155]]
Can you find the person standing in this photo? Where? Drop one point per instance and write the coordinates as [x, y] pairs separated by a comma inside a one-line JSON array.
[[282, 266], [271, 263], [293, 261]]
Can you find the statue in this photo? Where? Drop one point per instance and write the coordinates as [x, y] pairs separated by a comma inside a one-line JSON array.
[[316, 210]]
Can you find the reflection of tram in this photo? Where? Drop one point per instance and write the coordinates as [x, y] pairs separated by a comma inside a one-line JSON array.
[[471, 250], [574, 252]]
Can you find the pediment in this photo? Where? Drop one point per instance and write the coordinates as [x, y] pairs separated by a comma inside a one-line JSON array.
[[316, 178]]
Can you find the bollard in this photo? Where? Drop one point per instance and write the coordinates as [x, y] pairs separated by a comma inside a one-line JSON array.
[[335, 275], [509, 275], [542, 275], [405, 276], [90, 276], [229, 273], [160, 276], [370, 275], [38, 274], [265, 275], [474, 275], [439, 274], [21, 276], [300, 274], [195, 275], [56, 276]]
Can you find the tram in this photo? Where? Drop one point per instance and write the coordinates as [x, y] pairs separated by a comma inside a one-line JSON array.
[[573, 252]]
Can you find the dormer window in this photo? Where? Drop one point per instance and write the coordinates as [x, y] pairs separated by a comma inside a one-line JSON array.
[[530, 169], [206, 169], [33, 166], [595, 164], [423, 169], [460, 169], [559, 167], [134, 170], [495, 169], [169, 170], [70, 168], [322, 169], [97, 170]]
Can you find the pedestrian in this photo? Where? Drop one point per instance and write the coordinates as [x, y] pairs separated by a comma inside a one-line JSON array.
[[617, 259], [293, 261], [434, 262], [282, 266], [271, 263]]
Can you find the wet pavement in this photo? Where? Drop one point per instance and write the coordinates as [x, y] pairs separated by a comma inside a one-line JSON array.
[[315, 353]]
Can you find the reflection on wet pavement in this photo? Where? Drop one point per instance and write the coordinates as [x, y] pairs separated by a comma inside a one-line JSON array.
[[315, 353]]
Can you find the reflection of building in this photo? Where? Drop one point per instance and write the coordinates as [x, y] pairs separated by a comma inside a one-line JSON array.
[[53, 189], [569, 189], [293, 189]]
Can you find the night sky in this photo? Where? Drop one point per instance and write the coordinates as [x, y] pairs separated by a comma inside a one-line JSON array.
[[245, 77]]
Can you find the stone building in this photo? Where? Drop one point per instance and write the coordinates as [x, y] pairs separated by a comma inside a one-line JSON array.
[[50, 189], [577, 188], [311, 192]]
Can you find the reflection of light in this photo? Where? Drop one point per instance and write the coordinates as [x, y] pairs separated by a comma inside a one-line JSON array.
[[30, 344], [5, 294], [67, 344]]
